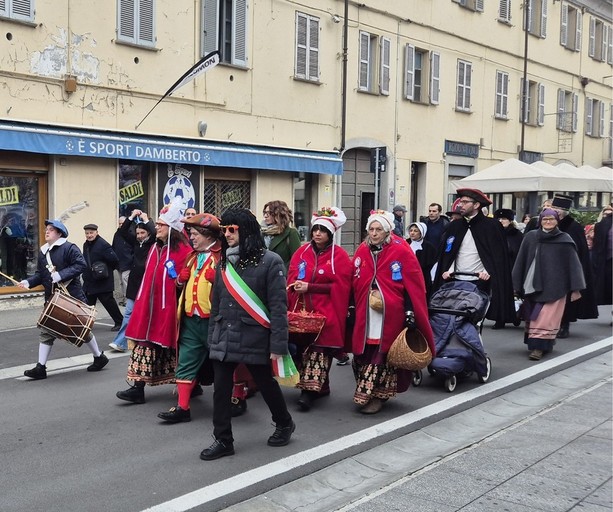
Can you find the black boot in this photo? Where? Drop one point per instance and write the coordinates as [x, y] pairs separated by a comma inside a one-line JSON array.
[[176, 415], [39, 372], [305, 402], [135, 394], [99, 362], [563, 332], [239, 407], [217, 450], [196, 391], [282, 435]]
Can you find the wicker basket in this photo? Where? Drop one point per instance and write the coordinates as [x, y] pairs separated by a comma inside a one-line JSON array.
[[410, 351], [305, 322]]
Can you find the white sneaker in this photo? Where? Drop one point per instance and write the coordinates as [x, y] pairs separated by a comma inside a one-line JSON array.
[[116, 347]]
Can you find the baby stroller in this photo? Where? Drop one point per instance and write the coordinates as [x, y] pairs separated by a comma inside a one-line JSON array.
[[457, 310]]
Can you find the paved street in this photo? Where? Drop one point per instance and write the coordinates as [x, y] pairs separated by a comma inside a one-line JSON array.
[[79, 448]]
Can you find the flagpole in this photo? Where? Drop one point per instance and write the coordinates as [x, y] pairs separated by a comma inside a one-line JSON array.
[[207, 62]]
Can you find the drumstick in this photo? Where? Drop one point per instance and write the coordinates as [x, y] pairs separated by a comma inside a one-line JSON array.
[[16, 283]]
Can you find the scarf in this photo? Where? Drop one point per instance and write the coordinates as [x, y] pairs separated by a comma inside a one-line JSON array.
[[233, 255]]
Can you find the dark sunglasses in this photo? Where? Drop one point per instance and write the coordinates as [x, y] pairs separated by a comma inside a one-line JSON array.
[[232, 228]]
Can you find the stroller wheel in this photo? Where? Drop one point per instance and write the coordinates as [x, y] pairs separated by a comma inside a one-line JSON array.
[[451, 383], [417, 378], [488, 366]]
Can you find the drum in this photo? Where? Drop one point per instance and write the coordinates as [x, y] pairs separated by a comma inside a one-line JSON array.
[[67, 318]]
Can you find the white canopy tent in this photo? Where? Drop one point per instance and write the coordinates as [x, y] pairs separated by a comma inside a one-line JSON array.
[[513, 175]]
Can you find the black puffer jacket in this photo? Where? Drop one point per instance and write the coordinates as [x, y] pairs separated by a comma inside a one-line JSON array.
[[234, 336], [68, 262], [99, 250]]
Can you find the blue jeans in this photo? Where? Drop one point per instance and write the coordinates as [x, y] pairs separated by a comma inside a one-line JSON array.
[[120, 340]]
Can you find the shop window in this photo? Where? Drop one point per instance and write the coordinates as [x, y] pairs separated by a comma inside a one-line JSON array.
[[303, 204], [20, 218], [221, 195], [133, 187]]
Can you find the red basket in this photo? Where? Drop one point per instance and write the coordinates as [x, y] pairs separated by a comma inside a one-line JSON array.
[[305, 322]]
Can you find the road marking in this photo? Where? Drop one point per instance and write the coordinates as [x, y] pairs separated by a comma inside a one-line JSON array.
[[252, 477]]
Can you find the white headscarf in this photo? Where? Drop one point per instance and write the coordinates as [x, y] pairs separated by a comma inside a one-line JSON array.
[[416, 245]]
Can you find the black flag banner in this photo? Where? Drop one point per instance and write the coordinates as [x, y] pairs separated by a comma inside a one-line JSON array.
[[207, 62]]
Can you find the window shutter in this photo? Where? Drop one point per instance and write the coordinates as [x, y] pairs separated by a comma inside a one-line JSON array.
[[505, 10], [524, 101], [384, 75], [239, 34], [564, 25], [146, 23], [460, 86], [435, 78], [210, 23], [561, 117], [313, 49], [409, 82], [578, 30], [479, 5], [301, 45], [126, 20], [575, 111], [601, 130], [541, 108], [528, 16], [467, 85], [498, 105], [3, 8], [588, 116], [21, 9], [543, 18], [363, 82], [610, 46], [591, 51], [603, 47]]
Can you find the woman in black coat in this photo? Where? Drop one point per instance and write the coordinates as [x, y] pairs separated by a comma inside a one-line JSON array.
[[512, 234], [424, 251], [99, 287]]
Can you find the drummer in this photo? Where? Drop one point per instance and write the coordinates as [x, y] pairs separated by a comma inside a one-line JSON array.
[[59, 261]]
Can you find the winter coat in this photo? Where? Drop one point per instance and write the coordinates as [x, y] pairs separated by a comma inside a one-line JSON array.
[[140, 251], [285, 244], [585, 307], [123, 249], [154, 317], [514, 237], [557, 270], [68, 262], [492, 248], [601, 260], [328, 292], [99, 250], [236, 337]]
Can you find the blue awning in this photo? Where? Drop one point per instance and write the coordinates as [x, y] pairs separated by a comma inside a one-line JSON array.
[[55, 140]]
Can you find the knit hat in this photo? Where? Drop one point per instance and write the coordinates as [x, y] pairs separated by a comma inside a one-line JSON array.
[[330, 217], [171, 214], [386, 219], [549, 212]]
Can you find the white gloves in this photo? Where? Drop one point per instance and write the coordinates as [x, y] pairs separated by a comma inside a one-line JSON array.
[[55, 277], [24, 284]]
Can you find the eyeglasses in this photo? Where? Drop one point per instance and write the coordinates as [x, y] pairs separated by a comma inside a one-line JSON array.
[[232, 228], [465, 201], [160, 225], [267, 212], [549, 219]]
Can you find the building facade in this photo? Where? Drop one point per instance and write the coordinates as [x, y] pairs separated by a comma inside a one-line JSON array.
[[418, 94]]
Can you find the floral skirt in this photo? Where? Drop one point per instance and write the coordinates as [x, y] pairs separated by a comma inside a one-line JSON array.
[[152, 364], [374, 377], [315, 369]]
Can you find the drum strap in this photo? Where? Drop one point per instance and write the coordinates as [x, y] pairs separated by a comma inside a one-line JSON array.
[[51, 268]]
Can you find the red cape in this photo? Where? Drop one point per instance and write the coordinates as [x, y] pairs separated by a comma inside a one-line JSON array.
[[334, 288]]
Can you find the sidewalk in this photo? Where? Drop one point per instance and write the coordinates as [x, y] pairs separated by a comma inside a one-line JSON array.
[[544, 447]]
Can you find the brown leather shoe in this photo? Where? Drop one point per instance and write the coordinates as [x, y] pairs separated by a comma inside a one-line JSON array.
[[535, 355], [373, 406]]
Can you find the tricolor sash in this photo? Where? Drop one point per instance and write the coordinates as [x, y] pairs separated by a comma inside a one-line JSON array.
[[245, 296]]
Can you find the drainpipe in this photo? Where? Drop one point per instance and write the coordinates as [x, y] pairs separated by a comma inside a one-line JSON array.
[[524, 92], [344, 78]]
